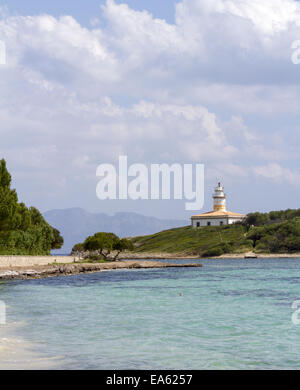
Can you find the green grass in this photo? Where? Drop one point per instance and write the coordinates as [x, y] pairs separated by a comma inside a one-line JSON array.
[[196, 241]]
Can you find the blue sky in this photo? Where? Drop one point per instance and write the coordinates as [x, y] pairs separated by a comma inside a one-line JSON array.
[[85, 10], [191, 81]]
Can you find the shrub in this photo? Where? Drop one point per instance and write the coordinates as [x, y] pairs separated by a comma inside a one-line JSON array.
[[213, 252], [226, 247], [95, 258]]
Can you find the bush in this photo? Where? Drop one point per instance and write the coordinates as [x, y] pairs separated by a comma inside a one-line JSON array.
[[95, 258], [78, 248], [261, 219], [256, 219], [277, 237], [246, 243], [226, 247], [213, 252], [293, 244]]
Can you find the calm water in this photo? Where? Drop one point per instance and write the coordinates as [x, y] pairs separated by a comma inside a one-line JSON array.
[[230, 314]]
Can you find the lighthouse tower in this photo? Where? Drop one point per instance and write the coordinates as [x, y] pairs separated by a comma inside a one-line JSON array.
[[219, 198], [219, 216]]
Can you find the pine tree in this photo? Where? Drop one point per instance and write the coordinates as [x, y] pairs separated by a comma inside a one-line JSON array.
[[8, 200], [22, 230]]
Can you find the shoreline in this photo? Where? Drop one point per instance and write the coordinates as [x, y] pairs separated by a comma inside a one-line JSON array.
[[16, 353], [178, 256], [54, 270], [260, 256], [51, 266]]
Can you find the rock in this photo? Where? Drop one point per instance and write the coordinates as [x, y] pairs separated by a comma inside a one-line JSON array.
[[29, 272], [9, 274], [135, 265]]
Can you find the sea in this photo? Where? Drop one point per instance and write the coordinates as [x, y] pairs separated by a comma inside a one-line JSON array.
[[228, 314]]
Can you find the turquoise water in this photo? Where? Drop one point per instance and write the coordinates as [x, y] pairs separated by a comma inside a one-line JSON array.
[[229, 314]]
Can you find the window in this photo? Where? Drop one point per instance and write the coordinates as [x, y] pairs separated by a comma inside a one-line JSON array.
[[208, 223], [198, 224]]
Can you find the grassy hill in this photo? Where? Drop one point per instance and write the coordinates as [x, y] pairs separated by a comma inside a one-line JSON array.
[[207, 241], [274, 232]]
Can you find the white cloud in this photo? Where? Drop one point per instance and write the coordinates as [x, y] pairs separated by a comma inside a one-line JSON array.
[[276, 172], [203, 89]]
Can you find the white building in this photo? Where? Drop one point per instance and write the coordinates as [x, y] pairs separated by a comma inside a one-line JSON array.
[[219, 216]]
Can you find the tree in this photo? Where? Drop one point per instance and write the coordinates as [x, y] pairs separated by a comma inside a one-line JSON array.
[[78, 250], [122, 245], [256, 219], [5, 177], [8, 200], [22, 230], [104, 243], [58, 240], [277, 237]]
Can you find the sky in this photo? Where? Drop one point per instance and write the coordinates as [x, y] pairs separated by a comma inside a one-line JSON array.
[[187, 81]]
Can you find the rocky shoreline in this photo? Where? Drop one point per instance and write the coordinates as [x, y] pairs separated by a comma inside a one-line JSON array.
[[134, 261], [45, 271], [180, 256]]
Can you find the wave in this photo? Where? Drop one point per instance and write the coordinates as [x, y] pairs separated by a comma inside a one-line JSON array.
[[19, 354]]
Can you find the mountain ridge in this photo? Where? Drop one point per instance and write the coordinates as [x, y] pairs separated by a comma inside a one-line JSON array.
[[76, 223]]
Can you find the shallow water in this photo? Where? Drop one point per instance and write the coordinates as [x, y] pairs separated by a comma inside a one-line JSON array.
[[229, 314]]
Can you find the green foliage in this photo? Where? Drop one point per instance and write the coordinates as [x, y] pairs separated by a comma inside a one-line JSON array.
[[261, 219], [277, 238], [100, 242], [257, 219], [8, 200], [103, 244], [5, 177], [213, 252], [78, 248], [23, 231], [95, 258], [123, 244], [58, 240]]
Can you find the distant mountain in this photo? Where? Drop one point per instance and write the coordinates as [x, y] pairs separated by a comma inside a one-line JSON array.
[[76, 224]]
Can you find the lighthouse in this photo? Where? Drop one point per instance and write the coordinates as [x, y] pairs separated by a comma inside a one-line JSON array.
[[219, 198], [219, 216]]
